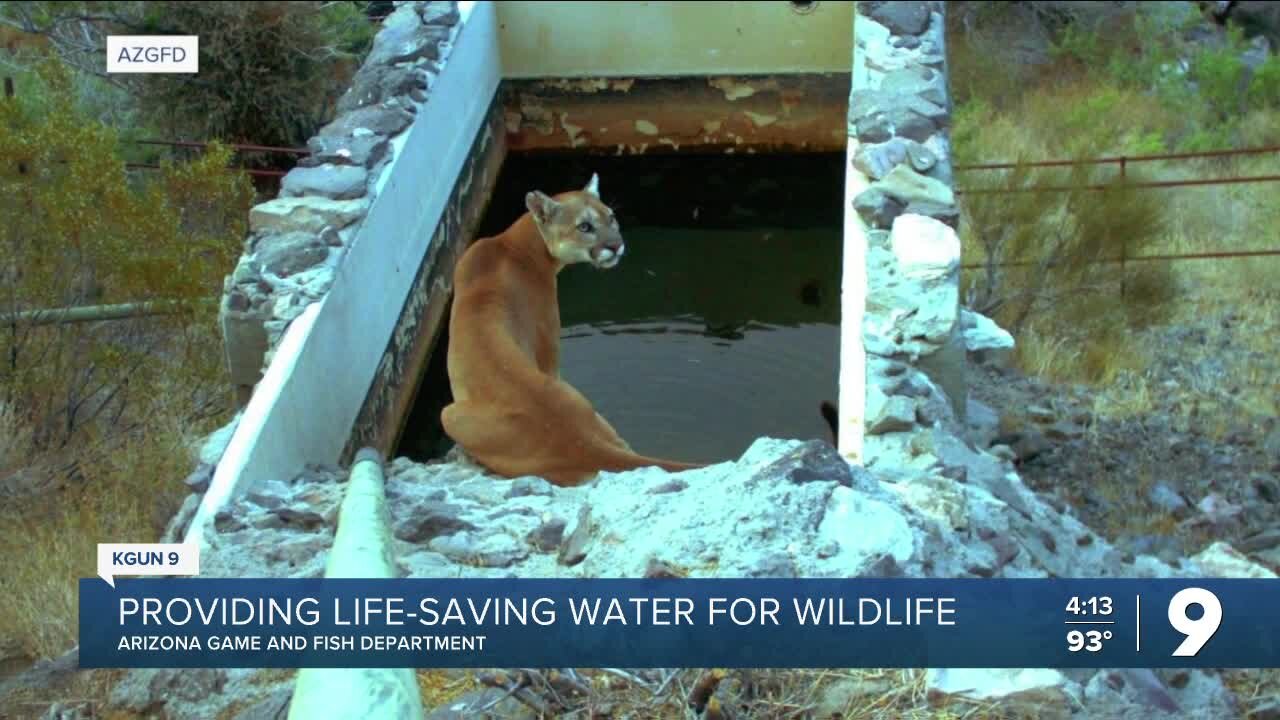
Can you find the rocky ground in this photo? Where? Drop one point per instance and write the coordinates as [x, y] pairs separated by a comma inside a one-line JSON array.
[[1162, 462], [956, 507]]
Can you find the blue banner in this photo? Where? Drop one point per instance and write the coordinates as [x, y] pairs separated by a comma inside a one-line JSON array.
[[734, 623]]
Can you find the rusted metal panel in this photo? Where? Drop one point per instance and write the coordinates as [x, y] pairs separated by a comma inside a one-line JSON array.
[[759, 113], [395, 385]]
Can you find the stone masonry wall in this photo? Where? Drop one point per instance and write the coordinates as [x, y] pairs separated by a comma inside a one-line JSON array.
[[899, 114], [298, 240]]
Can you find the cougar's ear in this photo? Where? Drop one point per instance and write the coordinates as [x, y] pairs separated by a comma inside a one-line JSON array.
[[541, 205], [593, 186]]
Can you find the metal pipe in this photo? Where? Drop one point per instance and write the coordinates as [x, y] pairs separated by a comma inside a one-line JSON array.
[[1119, 159], [247, 147], [90, 313], [361, 549]]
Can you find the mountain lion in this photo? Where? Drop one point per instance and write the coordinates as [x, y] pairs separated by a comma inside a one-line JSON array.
[[511, 412]]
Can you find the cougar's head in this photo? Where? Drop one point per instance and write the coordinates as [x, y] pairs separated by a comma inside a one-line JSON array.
[[577, 227]]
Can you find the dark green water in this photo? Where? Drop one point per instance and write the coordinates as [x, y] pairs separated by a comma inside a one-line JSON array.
[[721, 323]]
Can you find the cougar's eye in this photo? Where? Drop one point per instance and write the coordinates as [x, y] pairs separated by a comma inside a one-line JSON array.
[[585, 227]]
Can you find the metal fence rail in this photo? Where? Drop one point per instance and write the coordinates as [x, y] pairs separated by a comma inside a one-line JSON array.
[[1123, 162]]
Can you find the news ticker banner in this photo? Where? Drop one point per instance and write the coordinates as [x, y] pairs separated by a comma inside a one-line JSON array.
[[780, 623]]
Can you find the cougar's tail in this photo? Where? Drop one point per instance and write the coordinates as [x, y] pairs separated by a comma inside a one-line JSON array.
[[618, 460], [832, 416]]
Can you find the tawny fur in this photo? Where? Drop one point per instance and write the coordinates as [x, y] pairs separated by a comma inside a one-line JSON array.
[[511, 411]]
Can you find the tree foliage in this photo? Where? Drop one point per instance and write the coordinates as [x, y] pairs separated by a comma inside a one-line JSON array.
[[81, 229], [269, 71]]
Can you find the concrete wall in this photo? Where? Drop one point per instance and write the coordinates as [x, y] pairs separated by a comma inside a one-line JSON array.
[[902, 351], [344, 280], [319, 374], [637, 39]]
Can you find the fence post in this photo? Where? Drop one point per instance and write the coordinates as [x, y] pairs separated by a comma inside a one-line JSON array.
[[8, 87], [1124, 241]]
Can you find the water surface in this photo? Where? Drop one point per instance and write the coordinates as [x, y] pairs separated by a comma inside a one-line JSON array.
[[721, 323]]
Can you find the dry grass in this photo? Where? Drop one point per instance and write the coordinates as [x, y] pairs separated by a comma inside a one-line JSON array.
[[858, 694], [126, 488], [1096, 339]]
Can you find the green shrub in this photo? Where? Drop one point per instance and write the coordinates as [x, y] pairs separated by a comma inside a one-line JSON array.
[[1052, 251], [1264, 86], [80, 231]]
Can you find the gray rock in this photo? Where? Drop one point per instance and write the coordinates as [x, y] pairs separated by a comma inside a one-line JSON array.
[[404, 38], [270, 498], [385, 119], [1026, 445], [982, 421], [286, 254], [903, 18], [374, 84], [1162, 546], [147, 691], [879, 115], [949, 214], [364, 150], [876, 208], [438, 13], [198, 480], [1063, 430], [548, 536], [308, 214], [873, 127], [894, 414], [876, 160], [907, 186], [1041, 414], [982, 334], [574, 549], [814, 461], [300, 550], [775, 564], [275, 706], [215, 444], [486, 551], [336, 182], [489, 700], [431, 520], [177, 526], [301, 517], [921, 157], [1004, 452], [529, 486], [924, 82]]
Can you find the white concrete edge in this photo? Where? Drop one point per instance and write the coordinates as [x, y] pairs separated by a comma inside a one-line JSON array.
[[303, 409], [853, 292], [853, 303], [255, 417]]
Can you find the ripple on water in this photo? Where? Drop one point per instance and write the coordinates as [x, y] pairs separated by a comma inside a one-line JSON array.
[[678, 388]]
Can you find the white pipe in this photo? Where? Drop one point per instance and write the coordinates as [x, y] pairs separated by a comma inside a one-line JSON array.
[[361, 549]]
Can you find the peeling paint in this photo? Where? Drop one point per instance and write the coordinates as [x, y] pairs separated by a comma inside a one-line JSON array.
[[800, 113], [513, 121], [732, 89], [590, 85], [573, 131]]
